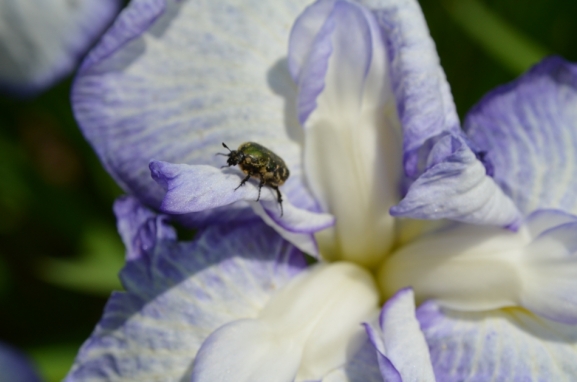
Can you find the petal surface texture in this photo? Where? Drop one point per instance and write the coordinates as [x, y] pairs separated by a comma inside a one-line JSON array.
[[456, 186], [41, 41], [475, 268], [178, 293], [423, 96], [309, 328], [401, 348], [502, 345], [144, 93], [352, 134], [527, 131]]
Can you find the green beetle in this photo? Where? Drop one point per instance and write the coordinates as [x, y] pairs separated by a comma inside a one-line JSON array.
[[259, 162]]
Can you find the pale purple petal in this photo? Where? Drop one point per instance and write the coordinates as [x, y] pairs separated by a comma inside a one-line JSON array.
[[363, 367], [424, 101], [43, 41], [500, 345], [14, 367], [527, 131], [177, 293], [399, 342], [456, 186], [200, 188], [172, 80]]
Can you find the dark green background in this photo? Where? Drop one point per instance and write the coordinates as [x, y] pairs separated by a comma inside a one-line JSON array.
[[59, 251]]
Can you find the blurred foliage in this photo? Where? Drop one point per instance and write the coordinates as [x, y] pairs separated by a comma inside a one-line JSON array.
[[59, 251]]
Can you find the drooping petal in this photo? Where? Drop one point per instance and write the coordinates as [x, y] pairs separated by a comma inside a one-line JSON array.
[[527, 131], [43, 41], [200, 188], [400, 344], [475, 268], [171, 80], [352, 137], [456, 186], [308, 329], [501, 345], [15, 367], [177, 293], [423, 96]]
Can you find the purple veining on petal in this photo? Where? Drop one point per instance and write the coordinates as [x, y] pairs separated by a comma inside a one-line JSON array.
[[456, 186], [500, 345], [527, 130], [177, 293], [139, 228], [140, 97], [424, 101]]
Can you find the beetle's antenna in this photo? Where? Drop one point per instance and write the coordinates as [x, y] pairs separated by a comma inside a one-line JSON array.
[[226, 147]]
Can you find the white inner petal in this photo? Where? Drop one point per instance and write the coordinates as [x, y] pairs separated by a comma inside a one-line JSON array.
[[322, 311], [353, 156], [467, 268], [310, 327]]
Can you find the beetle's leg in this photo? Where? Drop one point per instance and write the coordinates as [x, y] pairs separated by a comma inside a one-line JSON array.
[[243, 182], [259, 187], [279, 199]]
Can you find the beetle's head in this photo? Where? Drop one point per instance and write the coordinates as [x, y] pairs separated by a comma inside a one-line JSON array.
[[234, 156]]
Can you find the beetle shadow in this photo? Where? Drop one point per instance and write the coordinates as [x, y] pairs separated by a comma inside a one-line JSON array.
[[282, 84]]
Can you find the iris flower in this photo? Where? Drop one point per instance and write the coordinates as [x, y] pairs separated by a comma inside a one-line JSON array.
[[42, 41], [400, 204]]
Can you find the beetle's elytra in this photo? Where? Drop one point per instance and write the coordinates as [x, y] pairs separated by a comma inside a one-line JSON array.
[[259, 162]]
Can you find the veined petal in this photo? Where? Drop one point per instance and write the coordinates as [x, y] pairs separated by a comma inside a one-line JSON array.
[[527, 131], [177, 293], [476, 268], [200, 188], [423, 96], [143, 93], [456, 186], [401, 348], [42, 41], [308, 328], [15, 367], [352, 137], [501, 345]]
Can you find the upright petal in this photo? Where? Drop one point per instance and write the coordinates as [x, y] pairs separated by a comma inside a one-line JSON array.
[[177, 293], [352, 137], [423, 96], [527, 131], [401, 348], [501, 345], [171, 80], [42, 41]]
